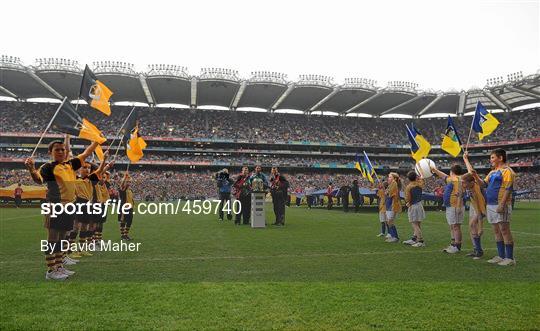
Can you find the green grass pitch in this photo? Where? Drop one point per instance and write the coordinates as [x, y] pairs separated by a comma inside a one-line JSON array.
[[324, 270]]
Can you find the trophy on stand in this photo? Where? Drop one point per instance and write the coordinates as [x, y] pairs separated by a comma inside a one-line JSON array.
[[258, 219]]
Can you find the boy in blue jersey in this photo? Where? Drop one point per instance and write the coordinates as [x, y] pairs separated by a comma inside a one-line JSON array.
[[499, 185], [453, 201], [416, 214]]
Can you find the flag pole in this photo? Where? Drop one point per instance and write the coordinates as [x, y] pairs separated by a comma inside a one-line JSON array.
[[372, 167], [47, 128], [470, 130], [118, 133]]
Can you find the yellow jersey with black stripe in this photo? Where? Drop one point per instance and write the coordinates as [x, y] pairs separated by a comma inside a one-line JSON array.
[[60, 179], [83, 189], [126, 196], [104, 192]]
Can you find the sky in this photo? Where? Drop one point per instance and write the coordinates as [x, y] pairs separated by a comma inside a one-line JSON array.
[[440, 45]]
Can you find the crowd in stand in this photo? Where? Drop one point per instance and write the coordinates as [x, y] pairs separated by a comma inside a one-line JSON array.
[[167, 185], [300, 161], [256, 126]]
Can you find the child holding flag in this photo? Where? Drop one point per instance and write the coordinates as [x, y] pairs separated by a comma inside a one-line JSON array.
[[393, 205], [499, 185], [381, 194], [453, 201], [416, 214]]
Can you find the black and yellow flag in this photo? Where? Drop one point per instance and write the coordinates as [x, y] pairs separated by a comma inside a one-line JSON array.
[[95, 92], [69, 121], [135, 146]]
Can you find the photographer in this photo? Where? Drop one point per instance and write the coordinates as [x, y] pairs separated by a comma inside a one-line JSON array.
[[224, 184]]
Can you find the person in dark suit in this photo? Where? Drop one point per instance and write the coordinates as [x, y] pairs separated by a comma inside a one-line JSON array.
[[278, 189], [355, 194], [242, 192], [344, 193]]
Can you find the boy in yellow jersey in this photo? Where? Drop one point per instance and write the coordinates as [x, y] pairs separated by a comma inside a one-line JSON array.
[[477, 212], [103, 186], [453, 201], [126, 197], [59, 176], [499, 184], [393, 205], [415, 212], [381, 194], [86, 193]]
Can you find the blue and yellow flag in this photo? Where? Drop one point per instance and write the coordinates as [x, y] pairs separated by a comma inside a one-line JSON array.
[[483, 122], [451, 142], [369, 170], [358, 164], [420, 147]]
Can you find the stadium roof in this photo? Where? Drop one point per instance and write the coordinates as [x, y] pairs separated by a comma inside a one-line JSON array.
[[170, 84]]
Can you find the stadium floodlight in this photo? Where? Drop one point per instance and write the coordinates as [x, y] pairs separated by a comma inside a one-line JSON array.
[[167, 70], [57, 64], [320, 80], [515, 76], [496, 81], [268, 76], [402, 86], [114, 67], [219, 73], [10, 61], [357, 82]]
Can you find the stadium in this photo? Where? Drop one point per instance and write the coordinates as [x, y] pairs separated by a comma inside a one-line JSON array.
[[321, 262]]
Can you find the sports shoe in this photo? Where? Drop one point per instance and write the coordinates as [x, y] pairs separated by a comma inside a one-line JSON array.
[[418, 244], [392, 240], [65, 271], [479, 255], [381, 235], [128, 238], [507, 262], [409, 242], [495, 260], [388, 235], [451, 250], [68, 261], [86, 253], [55, 275]]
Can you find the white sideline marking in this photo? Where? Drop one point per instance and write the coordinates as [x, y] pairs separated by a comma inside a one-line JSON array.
[[529, 233], [202, 258]]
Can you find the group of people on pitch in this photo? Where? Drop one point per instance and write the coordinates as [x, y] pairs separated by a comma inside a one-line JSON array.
[[73, 180], [242, 187], [490, 197]]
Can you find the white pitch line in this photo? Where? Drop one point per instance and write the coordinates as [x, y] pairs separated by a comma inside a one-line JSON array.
[[529, 233], [246, 257], [19, 217]]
